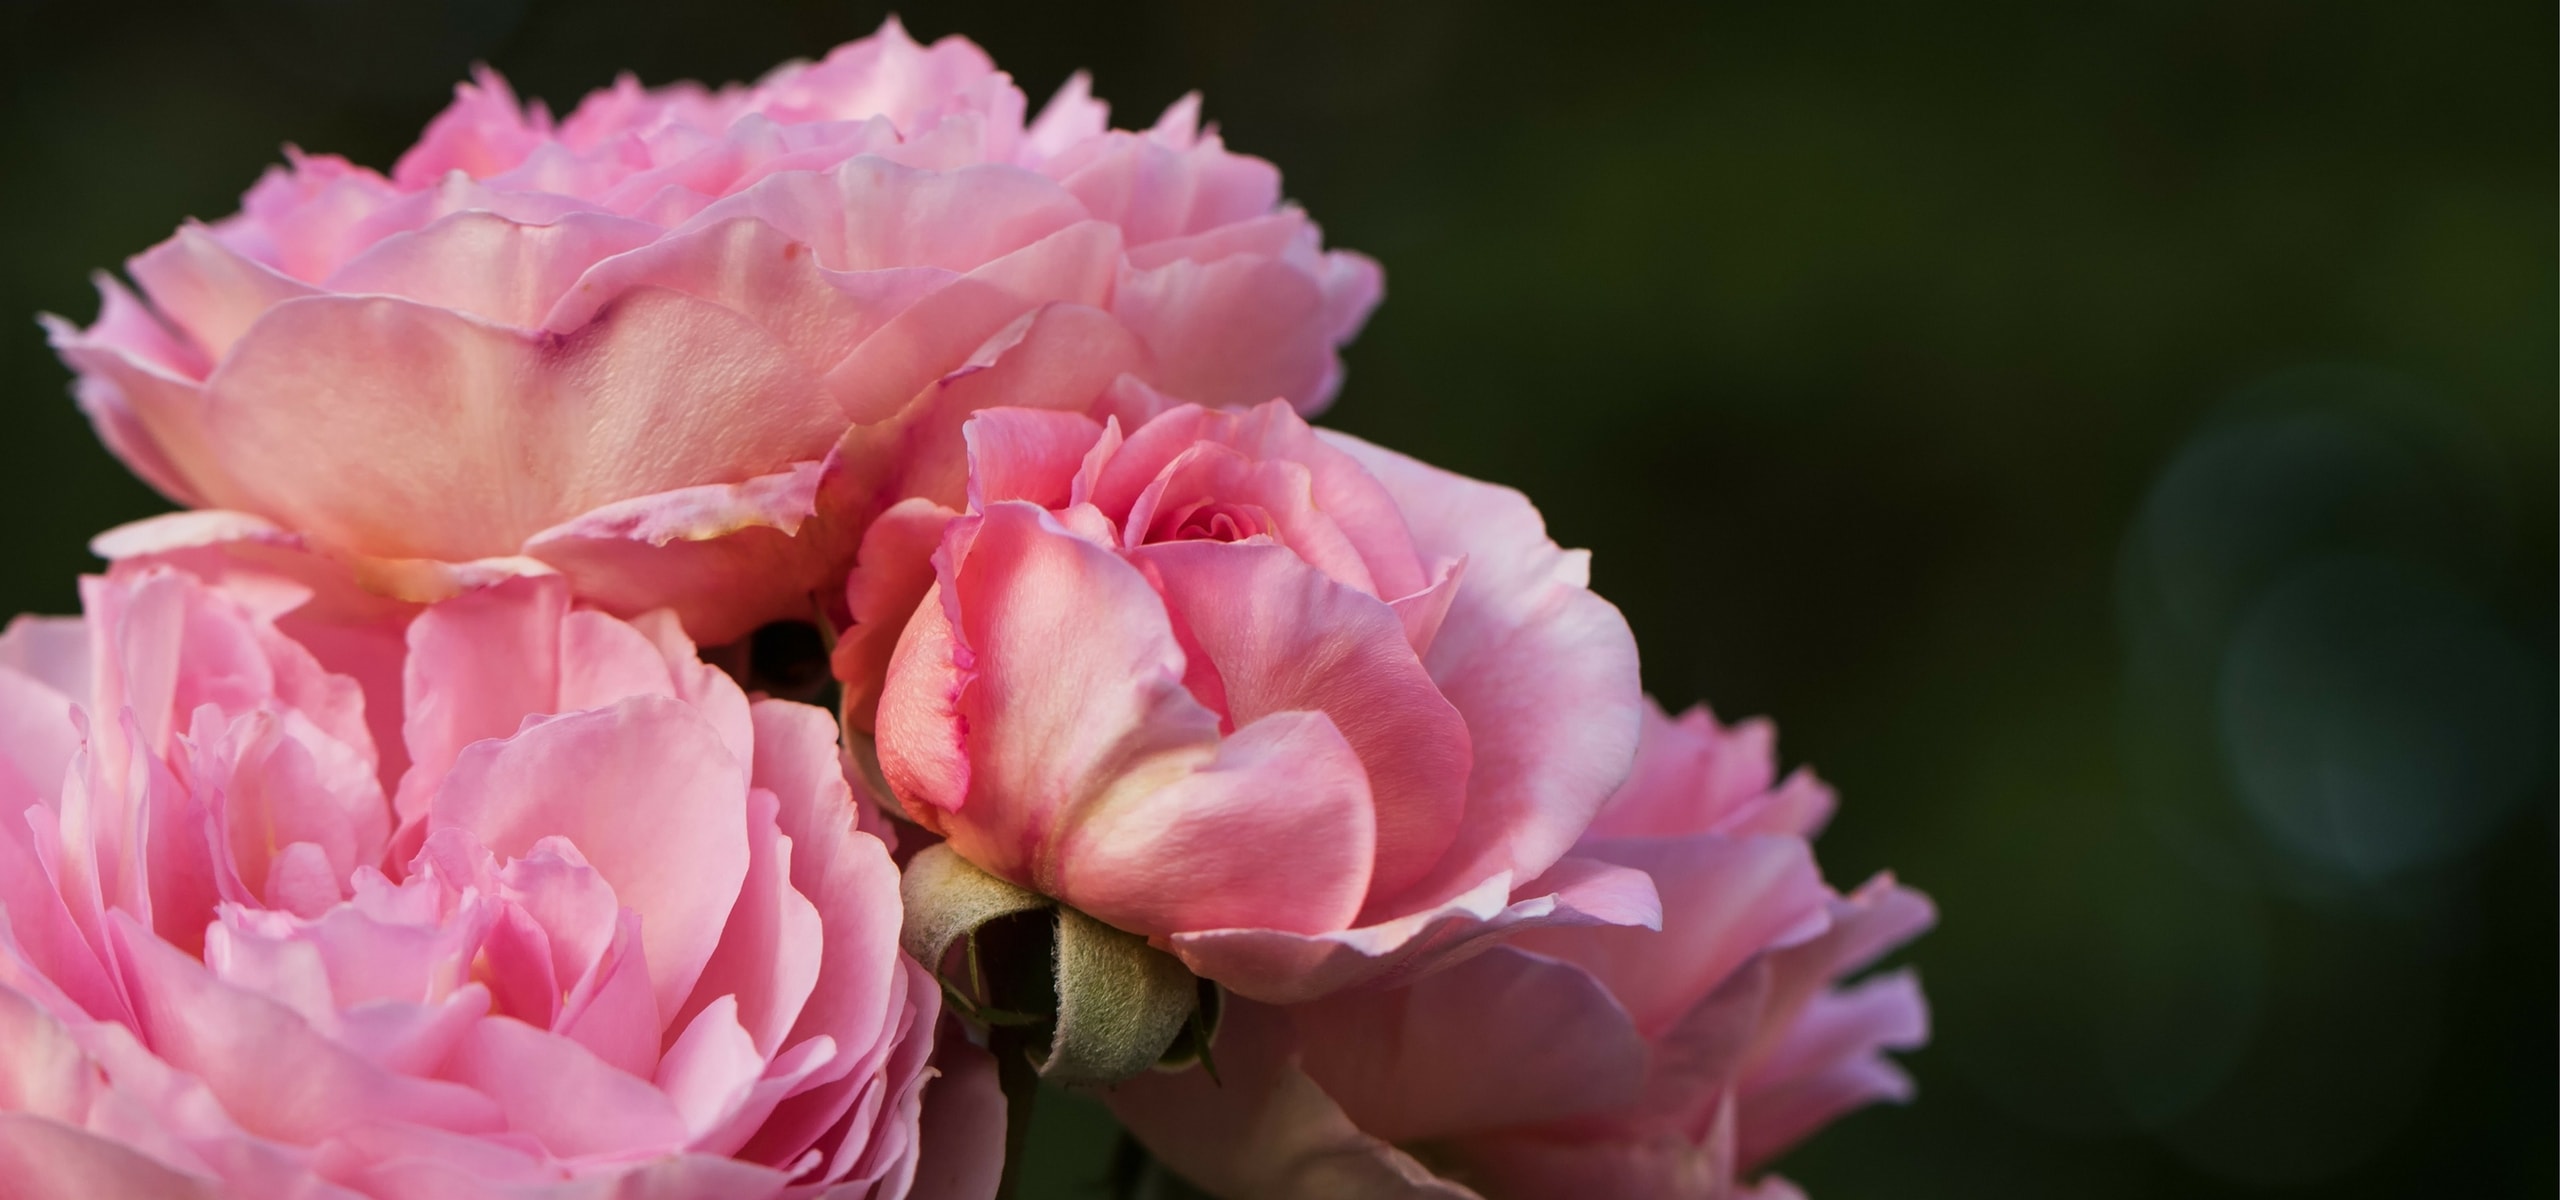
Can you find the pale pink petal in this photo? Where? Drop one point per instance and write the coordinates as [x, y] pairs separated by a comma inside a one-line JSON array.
[[209, 290], [612, 1009], [1263, 1130], [42, 1069], [1723, 901], [1694, 775], [1163, 186], [1771, 1187], [1278, 967], [36, 729], [1506, 1038], [873, 1002], [1832, 1062], [586, 777], [1531, 1167], [46, 942], [764, 274], [768, 959], [1865, 924], [962, 1157], [322, 411], [233, 1041], [1543, 670], [870, 213], [1027, 454], [556, 1091], [725, 557], [482, 133], [1071, 116], [937, 334], [710, 1067], [53, 651], [1231, 333], [489, 267], [478, 665], [1058, 356], [151, 413], [44, 1159]]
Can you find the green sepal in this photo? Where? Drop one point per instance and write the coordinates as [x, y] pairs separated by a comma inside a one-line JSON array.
[[947, 898], [1086, 1003], [1121, 1003]]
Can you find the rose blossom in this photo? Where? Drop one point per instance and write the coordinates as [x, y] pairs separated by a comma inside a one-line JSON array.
[[625, 345], [1579, 1062], [1299, 710], [612, 931]]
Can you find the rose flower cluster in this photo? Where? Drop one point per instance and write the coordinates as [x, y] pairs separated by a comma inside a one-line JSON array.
[[718, 642]]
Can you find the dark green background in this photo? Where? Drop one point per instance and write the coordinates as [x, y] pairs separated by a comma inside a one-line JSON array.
[[2116, 442]]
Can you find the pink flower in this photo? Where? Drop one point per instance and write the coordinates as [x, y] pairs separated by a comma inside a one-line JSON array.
[[625, 345], [1588, 1061], [1301, 711], [612, 930]]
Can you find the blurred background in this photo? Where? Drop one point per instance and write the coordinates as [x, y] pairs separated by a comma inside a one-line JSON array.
[[2116, 443]]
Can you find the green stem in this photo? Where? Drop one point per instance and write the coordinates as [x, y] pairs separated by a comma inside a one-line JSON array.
[[1021, 1083]]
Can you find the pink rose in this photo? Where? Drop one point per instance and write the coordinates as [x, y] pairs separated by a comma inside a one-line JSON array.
[[1580, 1062], [612, 931], [625, 345], [1301, 711]]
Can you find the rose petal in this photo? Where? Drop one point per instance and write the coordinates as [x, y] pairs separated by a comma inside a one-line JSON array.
[[1281, 637], [1543, 670], [583, 777], [1506, 1038]]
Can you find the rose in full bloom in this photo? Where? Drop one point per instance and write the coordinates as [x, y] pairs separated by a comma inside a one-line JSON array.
[[1300, 711], [1576, 1062], [625, 345], [612, 931]]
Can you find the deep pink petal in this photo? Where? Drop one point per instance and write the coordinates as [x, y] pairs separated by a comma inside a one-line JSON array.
[[1045, 616], [890, 577], [1274, 832], [1281, 636]]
